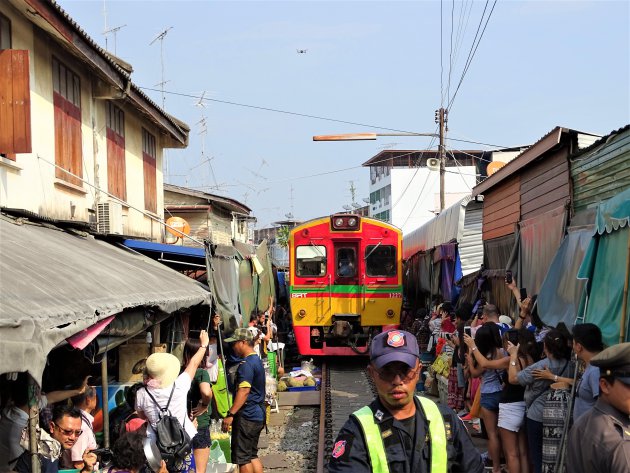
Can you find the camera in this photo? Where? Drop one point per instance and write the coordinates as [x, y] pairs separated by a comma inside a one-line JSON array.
[[104, 455], [468, 331], [508, 276], [523, 294]]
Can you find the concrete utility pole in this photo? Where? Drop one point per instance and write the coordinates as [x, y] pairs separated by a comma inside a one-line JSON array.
[[441, 117]]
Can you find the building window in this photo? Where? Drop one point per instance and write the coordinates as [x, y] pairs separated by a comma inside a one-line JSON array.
[[149, 160], [15, 120], [116, 169], [5, 32], [67, 104]]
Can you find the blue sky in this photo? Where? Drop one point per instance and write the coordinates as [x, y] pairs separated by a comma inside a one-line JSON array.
[[539, 64]]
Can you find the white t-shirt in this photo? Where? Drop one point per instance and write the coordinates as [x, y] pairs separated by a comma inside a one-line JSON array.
[[84, 441], [177, 407]]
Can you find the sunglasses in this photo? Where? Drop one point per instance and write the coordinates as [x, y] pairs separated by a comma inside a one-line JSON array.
[[68, 432], [405, 374]]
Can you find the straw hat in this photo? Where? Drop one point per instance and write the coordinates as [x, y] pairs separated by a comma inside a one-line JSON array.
[[163, 367]]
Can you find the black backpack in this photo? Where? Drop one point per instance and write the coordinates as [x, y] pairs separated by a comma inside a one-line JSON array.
[[172, 440]]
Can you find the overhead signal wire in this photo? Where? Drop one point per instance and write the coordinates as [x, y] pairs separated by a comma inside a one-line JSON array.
[[441, 56], [474, 51]]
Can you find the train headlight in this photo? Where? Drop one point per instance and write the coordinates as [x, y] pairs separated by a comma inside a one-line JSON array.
[[339, 222], [302, 313], [352, 222], [390, 313]]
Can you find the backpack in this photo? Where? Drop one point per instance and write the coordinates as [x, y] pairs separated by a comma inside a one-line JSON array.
[[172, 440]]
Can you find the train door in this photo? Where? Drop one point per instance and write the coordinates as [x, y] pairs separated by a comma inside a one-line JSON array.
[[348, 268]]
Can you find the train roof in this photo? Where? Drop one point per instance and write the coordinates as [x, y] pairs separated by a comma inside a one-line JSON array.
[[318, 220]]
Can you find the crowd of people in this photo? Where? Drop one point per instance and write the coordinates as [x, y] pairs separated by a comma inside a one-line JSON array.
[[172, 407], [513, 380]]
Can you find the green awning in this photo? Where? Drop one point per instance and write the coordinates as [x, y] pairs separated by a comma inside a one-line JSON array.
[[604, 266]]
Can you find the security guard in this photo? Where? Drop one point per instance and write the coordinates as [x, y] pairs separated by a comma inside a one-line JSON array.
[[399, 432], [599, 441]]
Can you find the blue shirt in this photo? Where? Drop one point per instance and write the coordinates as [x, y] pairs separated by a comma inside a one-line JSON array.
[[251, 374], [587, 392]]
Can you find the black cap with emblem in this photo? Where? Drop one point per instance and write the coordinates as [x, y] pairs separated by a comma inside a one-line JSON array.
[[614, 362]]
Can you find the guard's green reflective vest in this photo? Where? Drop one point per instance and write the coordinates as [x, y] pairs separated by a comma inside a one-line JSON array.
[[376, 449]]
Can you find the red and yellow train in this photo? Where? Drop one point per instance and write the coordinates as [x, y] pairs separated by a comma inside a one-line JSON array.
[[345, 283]]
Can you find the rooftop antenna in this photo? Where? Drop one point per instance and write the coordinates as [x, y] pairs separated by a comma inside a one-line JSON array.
[[203, 130], [353, 191], [114, 31], [160, 37], [291, 199]]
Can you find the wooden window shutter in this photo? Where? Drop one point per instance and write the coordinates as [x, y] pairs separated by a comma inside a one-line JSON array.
[[15, 102]]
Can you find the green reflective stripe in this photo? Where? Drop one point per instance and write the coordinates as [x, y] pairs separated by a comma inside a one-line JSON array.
[[372, 434], [437, 433], [376, 449]]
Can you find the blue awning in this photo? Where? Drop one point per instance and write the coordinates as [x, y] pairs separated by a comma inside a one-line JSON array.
[[175, 256]]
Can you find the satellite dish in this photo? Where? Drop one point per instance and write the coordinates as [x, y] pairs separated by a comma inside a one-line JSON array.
[[356, 206], [347, 207], [180, 227], [366, 200], [493, 167], [433, 164]]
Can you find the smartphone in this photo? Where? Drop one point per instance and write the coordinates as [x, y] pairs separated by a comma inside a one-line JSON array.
[[523, 294], [468, 331], [512, 336], [508, 276]]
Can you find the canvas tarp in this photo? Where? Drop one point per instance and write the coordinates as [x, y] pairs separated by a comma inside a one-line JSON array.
[[540, 238], [560, 294], [225, 285], [56, 283], [605, 268]]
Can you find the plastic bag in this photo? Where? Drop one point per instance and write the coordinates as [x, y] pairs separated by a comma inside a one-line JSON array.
[[216, 453]]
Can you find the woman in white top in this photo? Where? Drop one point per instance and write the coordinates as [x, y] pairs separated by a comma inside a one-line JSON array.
[[161, 373]]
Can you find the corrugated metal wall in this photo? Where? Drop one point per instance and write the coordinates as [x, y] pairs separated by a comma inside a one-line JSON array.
[[501, 208], [545, 184], [471, 246], [601, 173]]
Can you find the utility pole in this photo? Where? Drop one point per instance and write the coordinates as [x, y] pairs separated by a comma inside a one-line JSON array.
[[441, 117]]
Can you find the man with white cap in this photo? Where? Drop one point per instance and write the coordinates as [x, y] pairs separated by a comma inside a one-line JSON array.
[[599, 441], [165, 386], [400, 432]]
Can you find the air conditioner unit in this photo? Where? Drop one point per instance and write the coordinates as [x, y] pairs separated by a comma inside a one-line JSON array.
[[110, 218], [433, 164]]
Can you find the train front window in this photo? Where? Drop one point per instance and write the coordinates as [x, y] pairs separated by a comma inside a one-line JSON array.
[[311, 261], [380, 260], [346, 263]]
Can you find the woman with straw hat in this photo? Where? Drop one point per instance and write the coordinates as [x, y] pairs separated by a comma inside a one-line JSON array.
[[162, 380]]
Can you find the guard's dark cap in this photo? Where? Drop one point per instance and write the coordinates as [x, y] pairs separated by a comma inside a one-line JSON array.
[[394, 345], [615, 362]]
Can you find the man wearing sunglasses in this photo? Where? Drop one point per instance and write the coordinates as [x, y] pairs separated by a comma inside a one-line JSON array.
[[400, 432], [65, 428]]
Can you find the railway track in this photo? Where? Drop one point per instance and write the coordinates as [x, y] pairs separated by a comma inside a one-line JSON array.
[[345, 388]]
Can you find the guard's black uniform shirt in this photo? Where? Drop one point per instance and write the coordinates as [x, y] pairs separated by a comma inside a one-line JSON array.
[[463, 457]]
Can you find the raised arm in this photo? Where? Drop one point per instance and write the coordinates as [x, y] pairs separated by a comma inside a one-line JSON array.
[[193, 364]]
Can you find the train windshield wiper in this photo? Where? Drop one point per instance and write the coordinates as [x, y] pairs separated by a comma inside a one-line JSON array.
[[373, 250]]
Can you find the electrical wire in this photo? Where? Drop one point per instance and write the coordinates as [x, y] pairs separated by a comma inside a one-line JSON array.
[[417, 199], [305, 115], [471, 57], [441, 55]]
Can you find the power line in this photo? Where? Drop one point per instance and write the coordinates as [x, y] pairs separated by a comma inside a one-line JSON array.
[[305, 115], [417, 199], [441, 56], [473, 52]]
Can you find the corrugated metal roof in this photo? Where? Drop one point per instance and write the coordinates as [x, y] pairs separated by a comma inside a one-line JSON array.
[[227, 201], [55, 284], [535, 151], [445, 228]]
